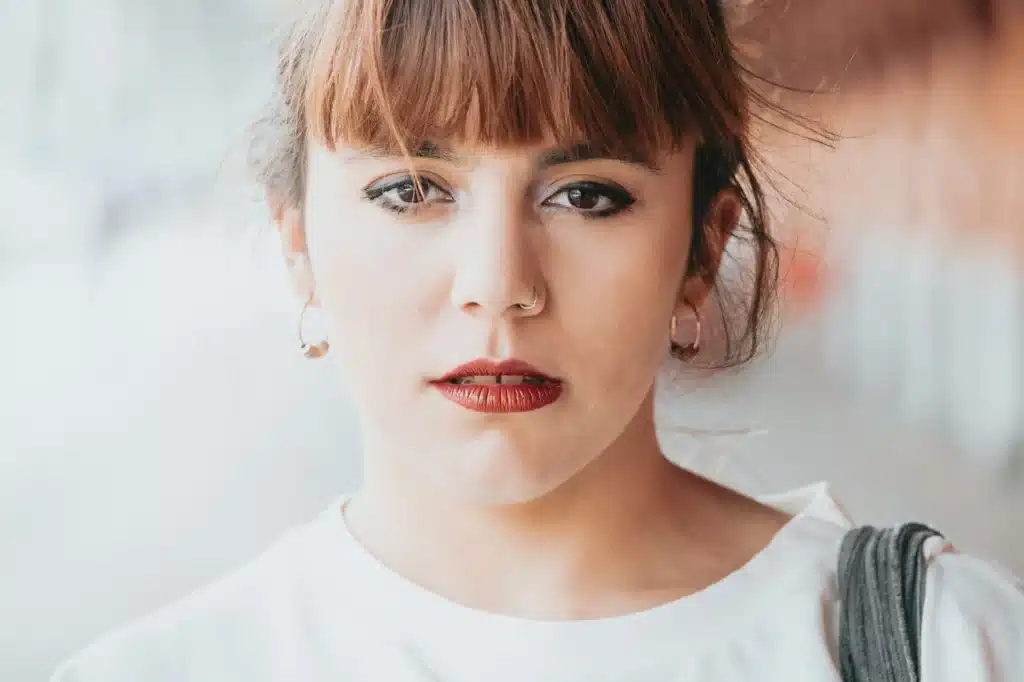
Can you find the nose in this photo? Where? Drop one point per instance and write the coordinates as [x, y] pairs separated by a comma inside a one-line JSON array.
[[497, 273]]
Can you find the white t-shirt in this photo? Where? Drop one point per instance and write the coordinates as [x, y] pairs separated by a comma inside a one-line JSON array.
[[317, 606]]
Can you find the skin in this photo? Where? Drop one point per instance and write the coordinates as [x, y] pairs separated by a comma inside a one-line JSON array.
[[570, 511]]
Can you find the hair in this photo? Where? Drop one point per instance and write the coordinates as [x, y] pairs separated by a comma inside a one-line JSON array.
[[625, 76]]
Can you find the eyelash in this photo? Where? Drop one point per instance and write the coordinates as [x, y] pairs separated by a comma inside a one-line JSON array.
[[621, 199], [376, 194]]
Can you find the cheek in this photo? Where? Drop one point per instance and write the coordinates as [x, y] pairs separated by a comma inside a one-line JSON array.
[[619, 295], [370, 280]]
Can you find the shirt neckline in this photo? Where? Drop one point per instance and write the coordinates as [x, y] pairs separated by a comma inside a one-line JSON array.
[[696, 618]]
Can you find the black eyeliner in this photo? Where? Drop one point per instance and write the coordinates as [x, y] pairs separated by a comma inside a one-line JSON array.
[[622, 198], [613, 192], [374, 192]]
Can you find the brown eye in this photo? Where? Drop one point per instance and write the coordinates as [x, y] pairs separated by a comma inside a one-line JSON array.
[[403, 194], [408, 193], [591, 199], [584, 198]]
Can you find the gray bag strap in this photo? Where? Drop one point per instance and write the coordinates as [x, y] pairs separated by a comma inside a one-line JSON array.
[[881, 588]]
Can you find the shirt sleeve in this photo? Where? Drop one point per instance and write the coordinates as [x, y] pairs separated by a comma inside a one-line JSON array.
[[118, 659], [973, 620]]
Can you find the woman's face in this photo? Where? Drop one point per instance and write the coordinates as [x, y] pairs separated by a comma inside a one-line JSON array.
[[417, 282]]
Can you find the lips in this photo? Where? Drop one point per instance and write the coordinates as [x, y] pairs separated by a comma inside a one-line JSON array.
[[499, 387], [490, 368]]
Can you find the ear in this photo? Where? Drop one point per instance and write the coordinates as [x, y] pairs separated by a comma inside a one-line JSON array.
[[291, 229], [722, 218]]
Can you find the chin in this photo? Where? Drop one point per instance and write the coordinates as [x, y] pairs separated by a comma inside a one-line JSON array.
[[485, 494], [504, 475]]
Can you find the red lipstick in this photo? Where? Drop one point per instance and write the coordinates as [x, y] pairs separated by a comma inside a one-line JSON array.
[[499, 387]]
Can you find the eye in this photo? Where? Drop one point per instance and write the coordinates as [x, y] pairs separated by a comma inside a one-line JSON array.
[[404, 194], [591, 199]]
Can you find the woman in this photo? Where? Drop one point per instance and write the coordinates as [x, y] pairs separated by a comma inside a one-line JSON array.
[[511, 213]]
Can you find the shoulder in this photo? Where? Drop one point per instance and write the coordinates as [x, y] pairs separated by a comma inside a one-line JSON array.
[[213, 633], [973, 621]]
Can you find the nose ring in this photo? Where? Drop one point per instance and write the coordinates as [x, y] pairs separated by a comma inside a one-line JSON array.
[[532, 304]]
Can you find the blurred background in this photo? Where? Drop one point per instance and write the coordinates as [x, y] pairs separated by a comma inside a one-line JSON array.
[[158, 425]]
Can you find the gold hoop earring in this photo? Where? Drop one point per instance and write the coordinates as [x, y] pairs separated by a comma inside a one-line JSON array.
[[315, 350], [690, 350]]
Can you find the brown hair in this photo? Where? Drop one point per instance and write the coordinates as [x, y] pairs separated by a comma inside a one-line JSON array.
[[635, 76]]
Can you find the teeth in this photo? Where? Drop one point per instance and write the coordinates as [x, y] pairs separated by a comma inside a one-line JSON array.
[[504, 380]]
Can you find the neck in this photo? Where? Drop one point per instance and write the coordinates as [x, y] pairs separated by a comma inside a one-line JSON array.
[[594, 536]]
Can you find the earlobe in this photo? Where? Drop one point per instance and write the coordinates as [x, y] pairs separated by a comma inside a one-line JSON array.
[[725, 213], [291, 230], [289, 222], [723, 217]]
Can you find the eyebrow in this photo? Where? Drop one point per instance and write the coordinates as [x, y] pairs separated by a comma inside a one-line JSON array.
[[431, 150], [426, 150], [584, 152], [577, 153]]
